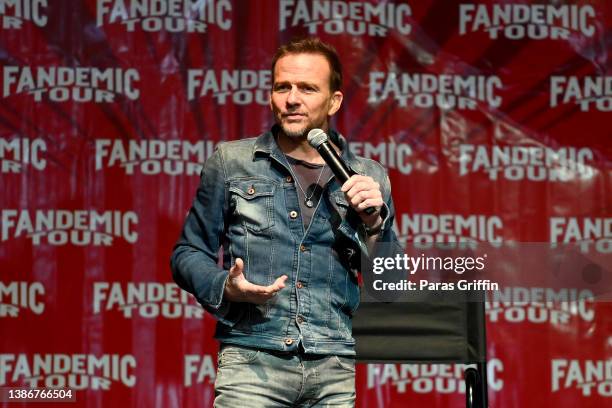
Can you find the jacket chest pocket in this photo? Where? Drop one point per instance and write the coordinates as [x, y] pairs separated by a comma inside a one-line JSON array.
[[254, 203]]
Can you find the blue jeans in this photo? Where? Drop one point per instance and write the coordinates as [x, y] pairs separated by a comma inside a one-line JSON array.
[[254, 378]]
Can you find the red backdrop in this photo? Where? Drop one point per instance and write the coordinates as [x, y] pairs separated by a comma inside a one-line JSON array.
[[484, 113]]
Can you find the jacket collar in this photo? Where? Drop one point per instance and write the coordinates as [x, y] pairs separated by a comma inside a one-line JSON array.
[[266, 144]]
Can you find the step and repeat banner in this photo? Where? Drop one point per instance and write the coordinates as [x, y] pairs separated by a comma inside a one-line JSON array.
[[491, 117]]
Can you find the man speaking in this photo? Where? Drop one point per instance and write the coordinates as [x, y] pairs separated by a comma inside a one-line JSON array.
[[292, 238]]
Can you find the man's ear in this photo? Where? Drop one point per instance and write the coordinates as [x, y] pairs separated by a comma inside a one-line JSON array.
[[335, 103], [270, 101]]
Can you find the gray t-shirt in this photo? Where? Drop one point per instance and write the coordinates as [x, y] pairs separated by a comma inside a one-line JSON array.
[[312, 178]]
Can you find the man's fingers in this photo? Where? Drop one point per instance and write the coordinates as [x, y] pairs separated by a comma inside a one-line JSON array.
[[245, 291], [270, 290], [361, 189], [363, 196], [359, 179], [351, 182], [236, 270], [280, 282], [371, 202], [361, 186]]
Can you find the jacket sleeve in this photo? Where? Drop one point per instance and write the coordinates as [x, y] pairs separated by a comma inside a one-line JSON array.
[[194, 260], [387, 246], [387, 234], [387, 212]]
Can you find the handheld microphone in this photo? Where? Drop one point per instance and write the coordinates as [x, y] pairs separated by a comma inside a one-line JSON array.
[[319, 140]]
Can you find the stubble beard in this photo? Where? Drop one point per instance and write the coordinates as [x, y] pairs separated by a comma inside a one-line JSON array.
[[295, 134], [301, 133]]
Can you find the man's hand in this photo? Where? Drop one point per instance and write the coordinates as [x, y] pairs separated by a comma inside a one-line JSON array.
[[363, 192], [238, 289]]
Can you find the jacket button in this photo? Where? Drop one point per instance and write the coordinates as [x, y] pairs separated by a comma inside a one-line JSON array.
[[251, 191], [303, 248], [299, 285], [288, 342], [293, 214], [300, 319], [288, 179]]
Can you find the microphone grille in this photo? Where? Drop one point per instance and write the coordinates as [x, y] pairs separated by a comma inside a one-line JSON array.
[[316, 137]]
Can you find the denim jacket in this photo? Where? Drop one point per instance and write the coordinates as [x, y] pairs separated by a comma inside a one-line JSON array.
[[247, 203]]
